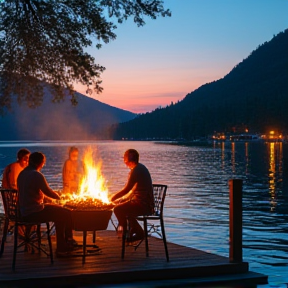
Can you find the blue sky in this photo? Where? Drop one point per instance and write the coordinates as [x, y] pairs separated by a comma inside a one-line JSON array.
[[163, 61]]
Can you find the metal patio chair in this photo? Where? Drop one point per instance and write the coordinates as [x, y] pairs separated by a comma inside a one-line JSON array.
[[159, 192], [31, 239]]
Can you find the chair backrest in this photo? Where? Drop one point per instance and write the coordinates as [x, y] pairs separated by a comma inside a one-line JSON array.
[[10, 201], [159, 191]]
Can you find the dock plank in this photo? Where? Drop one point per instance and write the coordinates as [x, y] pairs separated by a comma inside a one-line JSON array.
[[107, 267]]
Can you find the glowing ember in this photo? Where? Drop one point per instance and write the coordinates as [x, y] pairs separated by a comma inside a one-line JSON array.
[[93, 192], [90, 204]]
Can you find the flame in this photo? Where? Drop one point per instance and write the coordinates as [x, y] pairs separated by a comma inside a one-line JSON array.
[[92, 184]]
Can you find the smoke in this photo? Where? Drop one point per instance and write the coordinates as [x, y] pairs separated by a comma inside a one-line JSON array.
[[52, 121], [89, 120]]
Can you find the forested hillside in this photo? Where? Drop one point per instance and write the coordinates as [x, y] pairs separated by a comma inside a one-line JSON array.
[[253, 95]]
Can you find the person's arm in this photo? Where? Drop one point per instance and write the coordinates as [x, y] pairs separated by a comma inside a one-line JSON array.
[[119, 194], [81, 169], [5, 179], [67, 175], [13, 175], [128, 187], [44, 187]]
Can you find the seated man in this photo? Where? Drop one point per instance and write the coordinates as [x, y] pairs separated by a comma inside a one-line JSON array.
[[140, 200], [12, 171], [9, 180], [33, 188]]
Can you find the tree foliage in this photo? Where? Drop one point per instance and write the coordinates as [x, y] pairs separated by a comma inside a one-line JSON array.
[[44, 41]]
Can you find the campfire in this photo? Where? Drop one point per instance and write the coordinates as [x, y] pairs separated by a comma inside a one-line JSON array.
[[92, 193]]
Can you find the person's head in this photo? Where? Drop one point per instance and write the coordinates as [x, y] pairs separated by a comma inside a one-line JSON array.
[[23, 157], [131, 157], [37, 160], [73, 153]]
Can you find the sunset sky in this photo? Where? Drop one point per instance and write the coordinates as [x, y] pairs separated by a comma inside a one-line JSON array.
[[151, 66]]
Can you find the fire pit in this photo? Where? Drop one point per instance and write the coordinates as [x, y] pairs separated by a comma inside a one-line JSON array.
[[91, 220], [90, 215]]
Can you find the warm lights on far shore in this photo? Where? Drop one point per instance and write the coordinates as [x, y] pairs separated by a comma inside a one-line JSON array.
[[272, 135]]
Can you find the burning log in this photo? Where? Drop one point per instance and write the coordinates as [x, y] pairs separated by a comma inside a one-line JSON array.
[[88, 205]]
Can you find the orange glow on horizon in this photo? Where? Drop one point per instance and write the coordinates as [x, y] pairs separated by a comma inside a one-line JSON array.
[[136, 104], [142, 97]]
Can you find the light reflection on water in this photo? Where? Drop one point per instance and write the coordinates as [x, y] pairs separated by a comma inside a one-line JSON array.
[[197, 205]]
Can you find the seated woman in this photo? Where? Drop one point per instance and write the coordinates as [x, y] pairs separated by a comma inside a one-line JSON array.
[[72, 172], [33, 188]]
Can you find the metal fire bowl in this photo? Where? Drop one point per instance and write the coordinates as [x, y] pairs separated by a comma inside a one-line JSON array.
[[90, 220]]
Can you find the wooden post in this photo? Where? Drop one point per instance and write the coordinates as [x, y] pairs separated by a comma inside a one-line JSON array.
[[235, 220]]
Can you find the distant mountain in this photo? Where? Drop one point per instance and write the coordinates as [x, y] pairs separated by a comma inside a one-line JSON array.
[[62, 121], [253, 95]]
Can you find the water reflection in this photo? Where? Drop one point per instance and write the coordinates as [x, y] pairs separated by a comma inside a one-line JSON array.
[[247, 156], [272, 171], [233, 156], [223, 154]]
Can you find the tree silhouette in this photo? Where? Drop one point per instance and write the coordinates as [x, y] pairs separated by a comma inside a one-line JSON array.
[[44, 41]]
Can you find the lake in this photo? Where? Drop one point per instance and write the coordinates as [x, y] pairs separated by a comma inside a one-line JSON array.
[[197, 205]]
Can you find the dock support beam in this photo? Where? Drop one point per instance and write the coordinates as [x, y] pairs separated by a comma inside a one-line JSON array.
[[235, 220]]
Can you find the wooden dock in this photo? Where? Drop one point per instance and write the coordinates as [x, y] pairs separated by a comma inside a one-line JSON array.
[[187, 267]]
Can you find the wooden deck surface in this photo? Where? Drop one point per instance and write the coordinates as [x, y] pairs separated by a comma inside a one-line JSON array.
[[187, 266]]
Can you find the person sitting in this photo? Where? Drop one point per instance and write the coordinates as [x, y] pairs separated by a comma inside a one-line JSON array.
[[9, 181], [72, 172], [33, 189], [140, 199], [12, 170]]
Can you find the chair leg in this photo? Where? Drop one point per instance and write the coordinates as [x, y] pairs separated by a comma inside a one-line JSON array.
[[15, 245], [146, 237], [4, 236], [94, 236], [25, 233], [124, 233], [38, 235], [164, 239], [114, 225], [52, 228], [84, 246], [49, 242]]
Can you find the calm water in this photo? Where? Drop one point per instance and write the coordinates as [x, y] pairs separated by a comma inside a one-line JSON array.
[[197, 205]]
